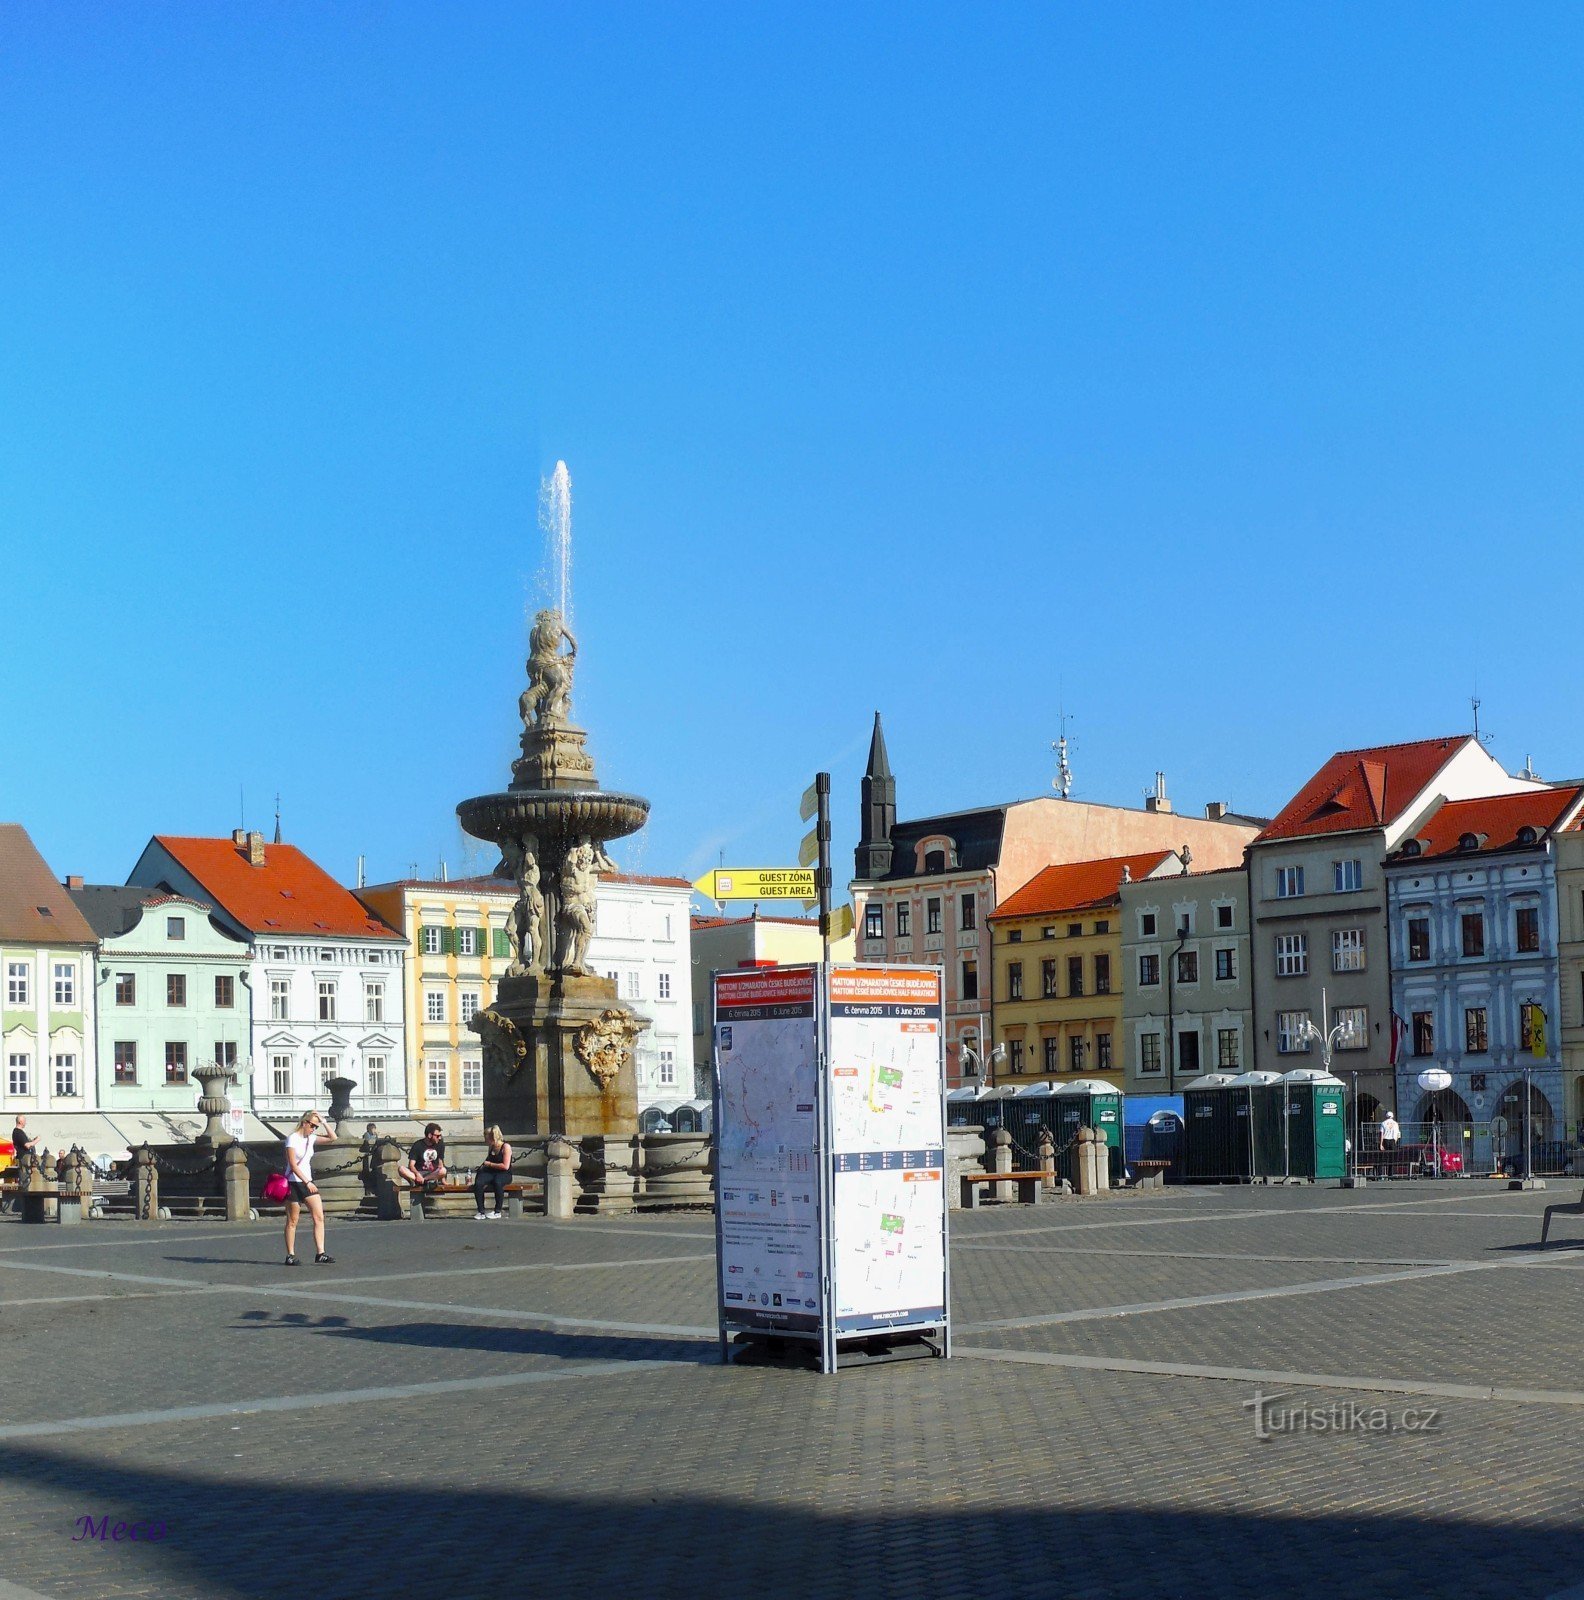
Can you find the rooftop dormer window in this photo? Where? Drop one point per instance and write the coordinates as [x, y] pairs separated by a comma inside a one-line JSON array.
[[934, 860], [1412, 848], [1468, 841], [1527, 835]]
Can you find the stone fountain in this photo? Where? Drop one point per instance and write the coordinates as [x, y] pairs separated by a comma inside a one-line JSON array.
[[558, 1043]]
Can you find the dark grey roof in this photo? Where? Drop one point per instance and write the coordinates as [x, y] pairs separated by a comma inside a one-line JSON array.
[[34, 907], [114, 908], [977, 835]]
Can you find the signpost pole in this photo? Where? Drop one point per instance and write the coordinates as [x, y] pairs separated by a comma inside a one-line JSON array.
[[822, 796]]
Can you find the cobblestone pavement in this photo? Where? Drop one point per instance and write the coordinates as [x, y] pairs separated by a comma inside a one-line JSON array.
[[538, 1407]]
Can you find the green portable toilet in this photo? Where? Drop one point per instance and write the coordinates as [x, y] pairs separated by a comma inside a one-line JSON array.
[[1257, 1124], [1207, 1129], [1025, 1116], [1088, 1103], [1316, 1124]]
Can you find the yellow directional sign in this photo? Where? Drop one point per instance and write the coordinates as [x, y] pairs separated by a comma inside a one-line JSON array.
[[757, 883]]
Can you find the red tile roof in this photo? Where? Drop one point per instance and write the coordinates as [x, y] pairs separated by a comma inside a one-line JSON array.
[[288, 894], [1494, 820], [34, 907], [1077, 885], [1368, 788]]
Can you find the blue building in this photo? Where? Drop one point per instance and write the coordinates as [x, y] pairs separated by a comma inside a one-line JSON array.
[[1472, 924]]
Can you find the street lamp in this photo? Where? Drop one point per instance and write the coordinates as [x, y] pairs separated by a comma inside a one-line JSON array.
[[980, 1064], [1329, 1039]]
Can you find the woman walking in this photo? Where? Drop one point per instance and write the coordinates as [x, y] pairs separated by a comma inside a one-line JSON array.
[[301, 1190], [494, 1174]]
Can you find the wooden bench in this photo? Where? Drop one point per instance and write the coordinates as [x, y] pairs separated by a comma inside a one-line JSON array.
[[1028, 1184], [516, 1191], [1151, 1174], [1563, 1208]]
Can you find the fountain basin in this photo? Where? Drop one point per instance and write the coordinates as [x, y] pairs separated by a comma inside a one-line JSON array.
[[548, 813]]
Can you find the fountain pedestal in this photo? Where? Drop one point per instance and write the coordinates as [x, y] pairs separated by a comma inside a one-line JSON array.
[[558, 1058]]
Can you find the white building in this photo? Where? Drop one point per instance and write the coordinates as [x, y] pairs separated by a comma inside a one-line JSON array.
[[642, 942], [324, 975]]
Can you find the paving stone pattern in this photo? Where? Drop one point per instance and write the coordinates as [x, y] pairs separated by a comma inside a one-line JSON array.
[[560, 1424]]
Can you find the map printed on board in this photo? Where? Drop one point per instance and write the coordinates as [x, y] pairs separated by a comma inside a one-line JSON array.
[[767, 1063], [888, 1147]]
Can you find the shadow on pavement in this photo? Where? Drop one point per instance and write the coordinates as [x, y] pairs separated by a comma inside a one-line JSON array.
[[351, 1539]]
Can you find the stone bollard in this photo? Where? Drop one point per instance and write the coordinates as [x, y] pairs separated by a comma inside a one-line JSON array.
[[561, 1186], [1102, 1157], [238, 1205], [1085, 1148], [387, 1187], [998, 1158], [1047, 1161], [145, 1185]]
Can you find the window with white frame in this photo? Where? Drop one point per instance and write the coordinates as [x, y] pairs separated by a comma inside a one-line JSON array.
[[665, 926], [19, 983], [663, 982], [1347, 876], [280, 999], [19, 1072], [66, 1075], [1292, 1032], [280, 1075], [1354, 1023], [327, 999], [467, 941], [1292, 954], [437, 1077], [1347, 950], [373, 1001], [225, 1053], [434, 1005], [468, 1005], [904, 919], [874, 921], [1289, 883], [432, 940], [667, 1067], [65, 985], [329, 1067], [473, 1079], [633, 989], [374, 1074]]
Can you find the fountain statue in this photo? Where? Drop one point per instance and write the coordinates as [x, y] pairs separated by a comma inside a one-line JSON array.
[[558, 1043]]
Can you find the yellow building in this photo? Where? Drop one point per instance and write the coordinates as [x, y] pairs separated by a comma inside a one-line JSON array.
[[1056, 969], [456, 953]]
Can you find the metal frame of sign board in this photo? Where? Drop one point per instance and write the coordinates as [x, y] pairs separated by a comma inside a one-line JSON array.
[[761, 1324], [826, 1334], [942, 1324]]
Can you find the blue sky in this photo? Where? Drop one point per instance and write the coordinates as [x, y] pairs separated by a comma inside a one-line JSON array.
[[1214, 371]]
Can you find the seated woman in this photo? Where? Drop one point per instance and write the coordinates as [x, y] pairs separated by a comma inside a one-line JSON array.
[[494, 1174]]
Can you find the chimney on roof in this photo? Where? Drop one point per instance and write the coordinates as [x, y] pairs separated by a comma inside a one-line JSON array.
[[239, 838], [1156, 800], [255, 849], [73, 881], [1216, 811]]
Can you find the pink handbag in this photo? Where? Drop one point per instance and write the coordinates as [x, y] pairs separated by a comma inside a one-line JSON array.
[[275, 1188]]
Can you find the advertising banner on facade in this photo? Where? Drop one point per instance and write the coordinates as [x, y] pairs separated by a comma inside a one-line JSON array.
[[767, 1148]]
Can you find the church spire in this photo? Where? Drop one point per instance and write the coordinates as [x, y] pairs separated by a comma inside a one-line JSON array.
[[873, 855]]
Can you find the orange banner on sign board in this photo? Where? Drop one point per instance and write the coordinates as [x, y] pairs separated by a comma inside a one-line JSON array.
[[897, 986]]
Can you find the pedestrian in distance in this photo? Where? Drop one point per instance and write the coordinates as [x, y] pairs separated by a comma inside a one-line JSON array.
[[494, 1174], [1390, 1138], [301, 1190], [22, 1142]]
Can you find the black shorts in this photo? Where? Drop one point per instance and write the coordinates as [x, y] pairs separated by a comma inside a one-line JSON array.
[[297, 1191]]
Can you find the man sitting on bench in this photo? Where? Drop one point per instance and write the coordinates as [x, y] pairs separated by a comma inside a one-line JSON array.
[[425, 1166]]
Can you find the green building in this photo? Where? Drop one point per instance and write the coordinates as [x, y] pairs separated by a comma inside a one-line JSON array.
[[172, 996]]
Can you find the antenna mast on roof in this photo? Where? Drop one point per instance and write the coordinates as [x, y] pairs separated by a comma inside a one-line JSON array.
[[1063, 781], [1481, 738]]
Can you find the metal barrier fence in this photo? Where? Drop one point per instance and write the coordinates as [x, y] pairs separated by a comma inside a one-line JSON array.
[[1465, 1150]]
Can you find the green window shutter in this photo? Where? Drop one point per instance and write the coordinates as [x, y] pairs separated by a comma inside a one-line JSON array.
[[448, 941], [502, 947]]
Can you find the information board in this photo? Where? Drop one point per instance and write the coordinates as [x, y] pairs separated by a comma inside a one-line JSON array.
[[887, 1147], [830, 1130], [767, 1148]]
